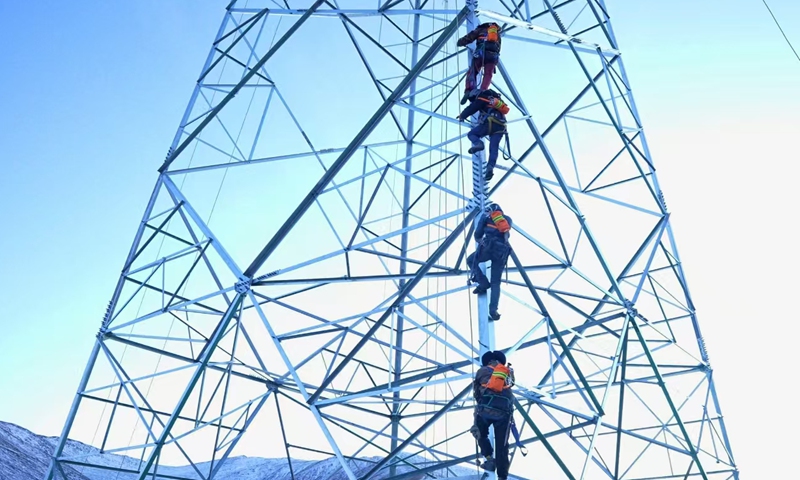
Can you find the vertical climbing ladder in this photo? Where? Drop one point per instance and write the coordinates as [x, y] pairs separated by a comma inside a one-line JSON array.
[[480, 191]]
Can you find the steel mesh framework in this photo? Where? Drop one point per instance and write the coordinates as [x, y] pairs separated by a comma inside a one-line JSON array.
[[297, 286]]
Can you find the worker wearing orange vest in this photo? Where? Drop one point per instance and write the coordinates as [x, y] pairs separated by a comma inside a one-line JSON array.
[[486, 55], [491, 232], [491, 123], [494, 406]]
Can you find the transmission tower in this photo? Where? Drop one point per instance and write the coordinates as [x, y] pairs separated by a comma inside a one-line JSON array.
[[297, 286]]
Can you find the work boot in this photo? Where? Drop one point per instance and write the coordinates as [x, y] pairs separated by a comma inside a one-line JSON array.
[[475, 148], [465, 97], [480, 289], [489, 465], [489, 174], [494, 316]]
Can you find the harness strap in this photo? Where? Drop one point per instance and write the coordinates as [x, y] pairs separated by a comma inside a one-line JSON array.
[[508, 147], [488, 404], [491, 119]]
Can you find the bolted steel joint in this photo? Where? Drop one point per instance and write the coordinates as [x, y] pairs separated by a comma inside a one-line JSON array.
[[243, 285], [631, 309]]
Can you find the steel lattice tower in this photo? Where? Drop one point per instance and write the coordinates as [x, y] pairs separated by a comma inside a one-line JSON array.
[[297, 286]]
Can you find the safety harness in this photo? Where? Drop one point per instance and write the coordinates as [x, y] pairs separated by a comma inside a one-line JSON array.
[[498, 221], [494, 404], [488, 40], [495, 117]]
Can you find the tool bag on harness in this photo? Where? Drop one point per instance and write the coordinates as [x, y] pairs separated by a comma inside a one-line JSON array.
[[488, 41], [497, 109], [497, 104], [499, 222], [493, 33], [499, 379]]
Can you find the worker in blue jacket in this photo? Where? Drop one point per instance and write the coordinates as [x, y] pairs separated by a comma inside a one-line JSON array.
[[491, 123], [492, 230]]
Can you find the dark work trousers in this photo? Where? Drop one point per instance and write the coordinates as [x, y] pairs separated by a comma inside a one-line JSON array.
[[487, 62], [501, 429], [497, 252], [481, 131]]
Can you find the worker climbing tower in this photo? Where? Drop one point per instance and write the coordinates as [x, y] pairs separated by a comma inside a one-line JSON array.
[[297, 286]]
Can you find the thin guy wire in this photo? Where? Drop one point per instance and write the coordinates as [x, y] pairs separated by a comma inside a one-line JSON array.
[[781, 29]]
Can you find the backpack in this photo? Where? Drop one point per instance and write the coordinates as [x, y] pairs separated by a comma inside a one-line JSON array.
[[499, 105], [493, 33], [499, 222], [497, 382], [495, 102], [488, 39]]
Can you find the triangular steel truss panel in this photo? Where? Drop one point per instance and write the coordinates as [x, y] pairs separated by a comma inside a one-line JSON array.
[[297, 287]]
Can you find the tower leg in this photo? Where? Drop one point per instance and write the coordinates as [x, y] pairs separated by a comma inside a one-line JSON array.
[[62, 441], [72, 411]]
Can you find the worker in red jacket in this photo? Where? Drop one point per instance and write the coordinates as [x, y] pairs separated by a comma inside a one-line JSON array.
[[486, 55]]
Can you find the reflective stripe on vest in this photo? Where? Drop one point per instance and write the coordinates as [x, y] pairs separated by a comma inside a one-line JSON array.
[[490, 37]]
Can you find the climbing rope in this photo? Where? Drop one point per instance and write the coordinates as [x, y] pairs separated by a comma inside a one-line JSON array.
[[442, 208], [465, 238], [435, 307], [469, 297]]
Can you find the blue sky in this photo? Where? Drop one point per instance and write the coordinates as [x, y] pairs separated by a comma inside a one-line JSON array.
[[93, 92]]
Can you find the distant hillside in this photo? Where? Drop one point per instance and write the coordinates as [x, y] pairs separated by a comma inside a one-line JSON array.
[[26, 456]]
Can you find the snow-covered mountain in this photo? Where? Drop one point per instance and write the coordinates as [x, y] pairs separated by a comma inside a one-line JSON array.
[[26, 456]]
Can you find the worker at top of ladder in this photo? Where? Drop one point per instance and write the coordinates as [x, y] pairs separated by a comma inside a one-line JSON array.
[[485, 56], [491, 123], [494, 406], [492, 230]]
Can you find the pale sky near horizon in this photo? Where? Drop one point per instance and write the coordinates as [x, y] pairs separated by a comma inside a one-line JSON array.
[[93, 92]]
